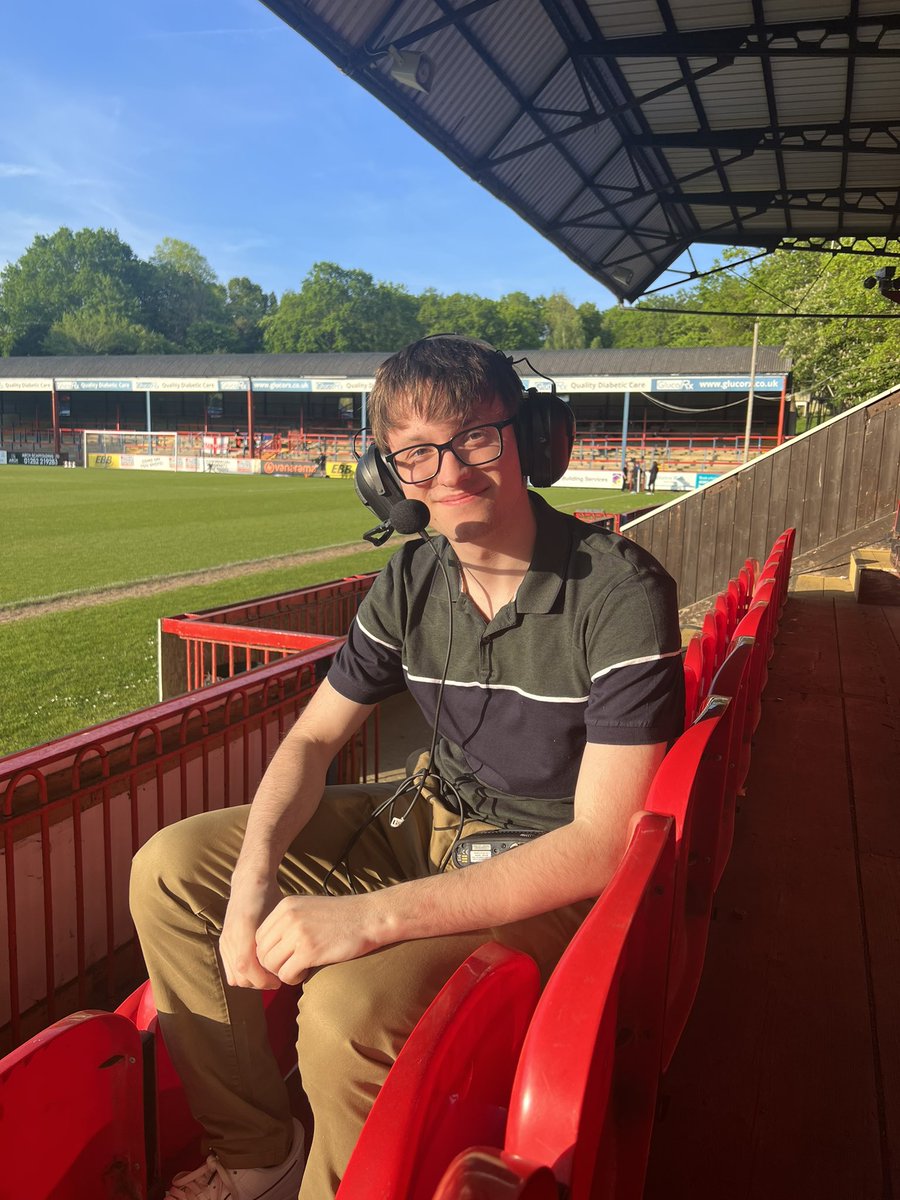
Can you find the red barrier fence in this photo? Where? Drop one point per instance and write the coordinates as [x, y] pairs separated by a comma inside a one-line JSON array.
[[77, 809], [198, 649]]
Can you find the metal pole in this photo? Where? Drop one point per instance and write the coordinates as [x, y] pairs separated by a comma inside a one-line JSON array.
[[54, 409], [752, 391], [250, 447], [625, 409], [781, 412], [149, 427]]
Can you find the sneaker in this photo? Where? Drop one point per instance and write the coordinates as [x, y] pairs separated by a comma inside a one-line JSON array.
[[215, 1181]]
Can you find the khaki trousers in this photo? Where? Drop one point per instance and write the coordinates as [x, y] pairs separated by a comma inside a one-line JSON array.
[[353, 1017]]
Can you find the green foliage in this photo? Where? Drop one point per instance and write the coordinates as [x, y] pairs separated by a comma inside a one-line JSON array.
[[63, 273], [101, 330], [840, 362], [338, 309]]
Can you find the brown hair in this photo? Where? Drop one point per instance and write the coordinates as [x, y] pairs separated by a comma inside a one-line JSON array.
[[441, 378]]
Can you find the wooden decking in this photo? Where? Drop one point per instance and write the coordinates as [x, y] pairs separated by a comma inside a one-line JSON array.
[[787, 1080]]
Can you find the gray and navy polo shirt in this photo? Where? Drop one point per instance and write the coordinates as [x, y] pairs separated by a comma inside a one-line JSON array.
[[588, 650]]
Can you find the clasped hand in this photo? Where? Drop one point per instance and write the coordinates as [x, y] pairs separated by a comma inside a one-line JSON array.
[[303, 932]]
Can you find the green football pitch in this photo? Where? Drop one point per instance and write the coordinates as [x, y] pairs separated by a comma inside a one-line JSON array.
[[69, 535]]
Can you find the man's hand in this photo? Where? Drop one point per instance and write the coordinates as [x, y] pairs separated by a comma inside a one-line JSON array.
[[312, 931], [247, 908]]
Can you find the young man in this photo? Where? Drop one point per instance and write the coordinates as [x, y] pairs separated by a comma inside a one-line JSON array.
[[562, 691]]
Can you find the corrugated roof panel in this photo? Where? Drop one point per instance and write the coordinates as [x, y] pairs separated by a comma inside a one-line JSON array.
[[475, 103], [859, 170], [700, 14], [542, 178], [710, 360], [735, 96], [627, 20], [876, 89], [807, 170], [784, 12], [534, 51], [749, 174], [809, 90]]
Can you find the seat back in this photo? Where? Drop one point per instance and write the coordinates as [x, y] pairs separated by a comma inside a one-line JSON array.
[[709, 645], [585, 1091], [72, 1105], [693, 678], [733, 605], [689, 786], [450, 1085], [732, 680]]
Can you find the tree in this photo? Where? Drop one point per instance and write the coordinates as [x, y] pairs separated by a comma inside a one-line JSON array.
[[592, 325], [338, 309], [187, 303], [461, 312], [246, 304], [101, 330], [564, 328], [839, 362], [61, 273], [520, 320]]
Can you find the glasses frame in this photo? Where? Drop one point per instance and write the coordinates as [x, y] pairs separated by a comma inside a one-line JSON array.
[[443, 447]]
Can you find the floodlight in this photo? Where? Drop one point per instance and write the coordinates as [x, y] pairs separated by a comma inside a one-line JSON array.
[[411, 68]]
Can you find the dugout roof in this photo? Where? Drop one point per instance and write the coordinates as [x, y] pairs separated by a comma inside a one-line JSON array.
[[626, 130]]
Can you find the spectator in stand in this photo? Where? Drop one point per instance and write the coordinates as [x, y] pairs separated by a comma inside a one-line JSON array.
[[651, 477], [581, 628]]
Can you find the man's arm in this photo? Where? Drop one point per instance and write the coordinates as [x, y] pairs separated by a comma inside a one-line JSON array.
[[574, 862], [287, 797]]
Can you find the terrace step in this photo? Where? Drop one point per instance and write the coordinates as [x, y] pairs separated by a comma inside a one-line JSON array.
[[873, 578]]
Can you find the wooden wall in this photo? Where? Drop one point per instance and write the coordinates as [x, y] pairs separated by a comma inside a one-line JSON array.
[[830, 484]]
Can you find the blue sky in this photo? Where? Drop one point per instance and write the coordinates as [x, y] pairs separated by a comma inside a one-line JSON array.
[[213, 122]]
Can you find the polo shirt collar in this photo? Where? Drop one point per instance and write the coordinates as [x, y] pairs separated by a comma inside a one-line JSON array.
[[549, 562]]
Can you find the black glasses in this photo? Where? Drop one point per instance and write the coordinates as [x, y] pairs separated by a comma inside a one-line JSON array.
[[472, 447]]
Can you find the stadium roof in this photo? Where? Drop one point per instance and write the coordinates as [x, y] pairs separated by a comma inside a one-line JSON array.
[[695, 360], [626, 131]]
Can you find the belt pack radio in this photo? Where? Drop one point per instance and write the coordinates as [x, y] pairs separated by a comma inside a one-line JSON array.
[[478, 847]]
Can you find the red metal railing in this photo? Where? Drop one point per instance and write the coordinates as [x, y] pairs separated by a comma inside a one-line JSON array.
[[223, 642], [77, 809]]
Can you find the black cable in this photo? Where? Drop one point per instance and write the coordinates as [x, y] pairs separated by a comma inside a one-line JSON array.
[[417, 781], [704, 312]]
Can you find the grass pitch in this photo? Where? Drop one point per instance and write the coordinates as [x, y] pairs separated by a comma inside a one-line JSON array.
[[65, 532]]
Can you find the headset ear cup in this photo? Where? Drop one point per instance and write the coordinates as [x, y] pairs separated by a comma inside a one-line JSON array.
[[546, 434], [376, 485]]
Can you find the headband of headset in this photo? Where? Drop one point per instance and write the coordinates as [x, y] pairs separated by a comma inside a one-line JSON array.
[[545, 433]]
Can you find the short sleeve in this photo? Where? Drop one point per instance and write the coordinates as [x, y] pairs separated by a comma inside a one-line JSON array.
[[634, 655], [369, 666]]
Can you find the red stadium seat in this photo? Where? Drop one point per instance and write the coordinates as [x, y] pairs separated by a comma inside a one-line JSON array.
[[689, 786], [723, 632], [745, 591], [486, 1174], [449, 1088], [72, 1105], [693, 678], [733, 604], [177, 1133], [753, 625], [732, 681], [709, 635], [585, 1092]]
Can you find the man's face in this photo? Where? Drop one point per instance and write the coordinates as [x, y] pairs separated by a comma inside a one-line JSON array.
[[468, 503]]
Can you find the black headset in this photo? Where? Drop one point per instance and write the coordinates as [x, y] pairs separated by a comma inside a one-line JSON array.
[[545, 434]]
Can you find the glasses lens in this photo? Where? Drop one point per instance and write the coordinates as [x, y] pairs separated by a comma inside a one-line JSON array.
[[480, 445], [417, 464]]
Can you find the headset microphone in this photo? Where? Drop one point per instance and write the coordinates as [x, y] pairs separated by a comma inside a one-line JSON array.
[[410, 516]]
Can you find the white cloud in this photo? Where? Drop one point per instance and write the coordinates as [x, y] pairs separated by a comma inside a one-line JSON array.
[[16, 170]]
